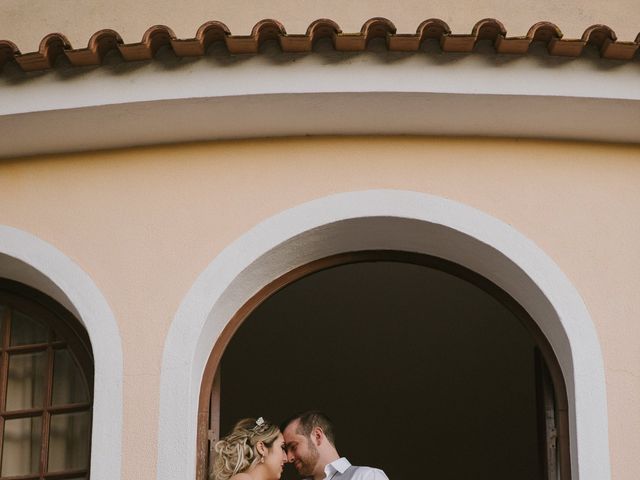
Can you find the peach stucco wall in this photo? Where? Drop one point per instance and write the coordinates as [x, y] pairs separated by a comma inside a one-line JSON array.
[[144, 223], [27, 23]]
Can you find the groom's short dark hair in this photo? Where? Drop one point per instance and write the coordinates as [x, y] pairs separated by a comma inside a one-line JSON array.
[[310, 420]]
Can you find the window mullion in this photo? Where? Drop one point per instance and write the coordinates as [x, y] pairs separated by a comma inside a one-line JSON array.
[[4, 371], [34, 347], [22, 477], [66, 474], [46, 415]]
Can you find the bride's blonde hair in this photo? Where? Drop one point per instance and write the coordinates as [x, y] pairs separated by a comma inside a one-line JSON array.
[[236, 452]]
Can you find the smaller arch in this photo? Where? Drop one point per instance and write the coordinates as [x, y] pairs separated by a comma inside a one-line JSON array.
[[46, 369], [30, 260]]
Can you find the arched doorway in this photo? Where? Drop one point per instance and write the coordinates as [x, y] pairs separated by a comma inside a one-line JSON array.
[[294, 239], [426, 367]]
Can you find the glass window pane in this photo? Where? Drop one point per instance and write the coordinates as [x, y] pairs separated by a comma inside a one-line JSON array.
[[2, 310], [21, 447], [25, 330], [69, 441], [68, 386], [25, 388]]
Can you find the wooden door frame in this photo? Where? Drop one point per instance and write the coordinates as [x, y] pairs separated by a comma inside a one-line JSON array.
[[210, 376]]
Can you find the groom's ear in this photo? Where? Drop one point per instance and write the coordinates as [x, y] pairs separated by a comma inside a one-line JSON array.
[[317, 434]]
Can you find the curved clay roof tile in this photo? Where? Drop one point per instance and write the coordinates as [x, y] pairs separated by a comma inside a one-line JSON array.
[[153, 39], [488, 29], [99, 45], [51, 47], [207, 34]]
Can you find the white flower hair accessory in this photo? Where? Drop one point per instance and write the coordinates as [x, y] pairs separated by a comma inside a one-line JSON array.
[[259, 423]]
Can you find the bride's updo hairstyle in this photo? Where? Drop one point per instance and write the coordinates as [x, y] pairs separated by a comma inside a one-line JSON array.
[[236, 452]]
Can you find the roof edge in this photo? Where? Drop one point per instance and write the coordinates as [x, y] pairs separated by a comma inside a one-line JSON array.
[[54, 45]]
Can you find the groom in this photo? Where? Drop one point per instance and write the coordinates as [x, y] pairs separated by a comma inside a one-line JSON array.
[[310, 445]]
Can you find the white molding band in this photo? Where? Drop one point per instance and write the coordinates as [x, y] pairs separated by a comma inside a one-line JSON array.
[[30, 260], [383, 219], [325, 93]]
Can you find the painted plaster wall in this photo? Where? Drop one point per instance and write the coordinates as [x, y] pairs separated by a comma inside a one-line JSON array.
[[144, 223], [26, 25]]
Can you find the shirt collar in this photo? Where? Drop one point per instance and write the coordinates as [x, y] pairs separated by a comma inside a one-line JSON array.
[[339, 465]]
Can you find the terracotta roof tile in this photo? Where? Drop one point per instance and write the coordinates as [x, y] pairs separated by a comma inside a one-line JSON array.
[[55, 44]]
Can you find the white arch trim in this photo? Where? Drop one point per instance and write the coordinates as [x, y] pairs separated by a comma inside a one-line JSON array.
[[30, 260], [383, 219]]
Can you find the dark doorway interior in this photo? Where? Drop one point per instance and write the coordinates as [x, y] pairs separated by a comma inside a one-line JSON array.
[[424, 374]]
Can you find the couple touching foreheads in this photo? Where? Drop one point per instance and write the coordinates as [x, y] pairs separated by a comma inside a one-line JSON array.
[[258, 450]]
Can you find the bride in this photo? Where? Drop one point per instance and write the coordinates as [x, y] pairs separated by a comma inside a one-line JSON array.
[[254, 450]]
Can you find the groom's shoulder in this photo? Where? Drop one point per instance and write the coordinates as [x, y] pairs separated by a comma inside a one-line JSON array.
[[370, 473]]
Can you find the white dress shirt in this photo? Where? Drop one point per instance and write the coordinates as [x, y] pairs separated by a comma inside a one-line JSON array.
[[340, 466]]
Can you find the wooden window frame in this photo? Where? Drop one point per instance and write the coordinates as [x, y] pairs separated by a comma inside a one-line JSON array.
[[550, 385], [70, 335]]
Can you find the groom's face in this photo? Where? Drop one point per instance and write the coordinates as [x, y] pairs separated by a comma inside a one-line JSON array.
[[300, 450]]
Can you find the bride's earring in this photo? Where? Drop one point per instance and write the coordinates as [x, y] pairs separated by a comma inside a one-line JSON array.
[[261, 458]]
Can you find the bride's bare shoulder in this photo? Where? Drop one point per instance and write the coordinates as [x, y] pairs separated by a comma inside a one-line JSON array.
[[241, 476]]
